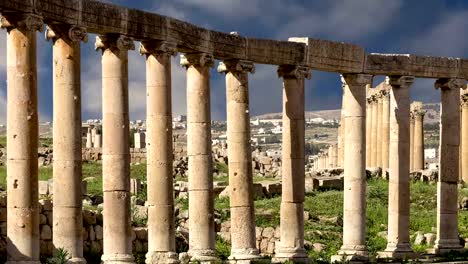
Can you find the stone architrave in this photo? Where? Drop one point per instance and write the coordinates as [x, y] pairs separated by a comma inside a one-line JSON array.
[[116, 148], [447, 184], [354, 211], [201, 200], [22, 137], [291, 244], [67, 217], [398, 239], [161, 221], [243, 239]]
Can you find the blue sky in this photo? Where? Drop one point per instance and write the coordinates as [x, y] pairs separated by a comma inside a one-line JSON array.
[[429, 27]]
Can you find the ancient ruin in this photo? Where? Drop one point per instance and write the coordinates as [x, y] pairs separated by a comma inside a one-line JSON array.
[[379, 128]]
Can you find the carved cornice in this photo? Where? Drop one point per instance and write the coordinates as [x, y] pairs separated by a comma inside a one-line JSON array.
[[119, 42], [158, 47], [26, 21], [197, 59], [294, 72], [400, 81], [238, 66], [449, 83], [72, 32]]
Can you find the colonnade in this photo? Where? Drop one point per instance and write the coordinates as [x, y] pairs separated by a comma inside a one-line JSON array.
[[22, 136], [327, 158]]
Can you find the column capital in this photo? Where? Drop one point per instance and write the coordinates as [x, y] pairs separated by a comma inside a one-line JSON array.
[[157, 47], [240, 66], [449, 83], [119, 42], [400, 81], [464, 100], [293, 71], [73, 32], [197, 59], [27, 21], [356, 79], [418, 114]]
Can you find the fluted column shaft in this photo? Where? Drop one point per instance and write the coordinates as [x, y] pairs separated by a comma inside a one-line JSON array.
[[291, 245], [201, 204], [22, 137], [385, 129], [464, 137], [379, 102], [243, 241], [418, 139], [354, 211], [161, 222], [447, 189], [116, 148], [67, 217], [411, 147], [398, 240], [374, 125], [368, 132]]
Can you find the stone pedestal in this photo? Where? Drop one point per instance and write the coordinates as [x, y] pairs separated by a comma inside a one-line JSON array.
[[201, 204], [67, 217], [161, 222], [116, 148], [22, 137], [291, 244], [447, 189], [354, 209], [398, 240]]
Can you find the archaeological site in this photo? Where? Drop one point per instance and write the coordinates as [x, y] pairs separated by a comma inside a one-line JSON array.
[[378, 182]]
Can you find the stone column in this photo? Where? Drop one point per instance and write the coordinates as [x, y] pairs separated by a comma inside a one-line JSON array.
[[342, 128], [418, 140], [330, 157], [379, 129], [67, 217], [97, 141], [243, 241], [374, 125], [447, 189], [116, 148], [464, 137], [354, 209], [161, 222], [22, 137], [291, 244], [385, 129], [398, 240], [368, 131], [201, 203], [340, 146], [411, 146], [89, 139]]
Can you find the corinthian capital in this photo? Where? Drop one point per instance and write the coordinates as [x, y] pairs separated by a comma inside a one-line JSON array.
[[28, 21], [294, 71], [236, 66], [157, 47], [400, 81], [449, 83], [197, 59], [119, 42], [356, 79], [74, 33]]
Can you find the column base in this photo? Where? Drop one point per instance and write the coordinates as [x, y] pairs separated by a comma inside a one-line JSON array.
[[401, 251], [446, 245], [166, 257], [354, 254], [203, 256], [295, 255], [117, 258], [244, 254]]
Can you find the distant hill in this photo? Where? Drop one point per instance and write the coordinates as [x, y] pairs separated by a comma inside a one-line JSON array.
[[432, 114]]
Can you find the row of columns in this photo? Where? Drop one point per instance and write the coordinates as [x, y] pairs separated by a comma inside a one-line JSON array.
[[327, 159]]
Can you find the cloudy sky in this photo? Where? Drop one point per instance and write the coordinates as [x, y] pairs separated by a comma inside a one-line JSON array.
[[434, 27]]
